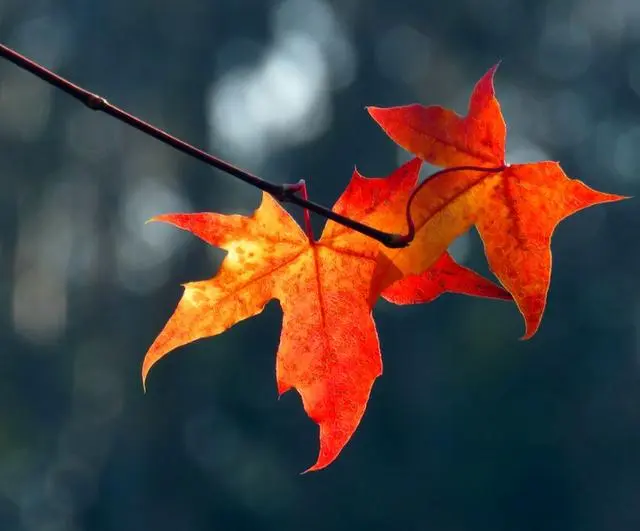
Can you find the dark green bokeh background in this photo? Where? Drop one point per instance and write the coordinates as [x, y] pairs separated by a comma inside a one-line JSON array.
[[469, 429]]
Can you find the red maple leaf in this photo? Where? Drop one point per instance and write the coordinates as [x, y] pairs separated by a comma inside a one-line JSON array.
[[514, 207]]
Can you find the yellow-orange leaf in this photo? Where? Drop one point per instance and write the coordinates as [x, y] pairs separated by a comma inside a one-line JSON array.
[[329, 347], [514, 207]]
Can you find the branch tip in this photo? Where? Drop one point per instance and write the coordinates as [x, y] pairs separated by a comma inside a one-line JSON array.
[[397, 241]]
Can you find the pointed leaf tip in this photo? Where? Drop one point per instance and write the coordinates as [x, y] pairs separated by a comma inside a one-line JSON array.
[[444, 276]]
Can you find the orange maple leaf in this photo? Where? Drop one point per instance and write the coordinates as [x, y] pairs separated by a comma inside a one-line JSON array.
[[514, 207], [329, 348]]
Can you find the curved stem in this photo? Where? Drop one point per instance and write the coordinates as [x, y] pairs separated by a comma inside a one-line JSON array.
[[407, 238]]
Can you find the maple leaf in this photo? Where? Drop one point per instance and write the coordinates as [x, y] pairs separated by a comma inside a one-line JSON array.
[[329, 348], [514, 207]]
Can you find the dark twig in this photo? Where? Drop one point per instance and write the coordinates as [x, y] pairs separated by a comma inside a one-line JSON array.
[[284, 193]]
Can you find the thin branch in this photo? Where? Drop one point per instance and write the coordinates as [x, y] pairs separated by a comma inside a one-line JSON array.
[[285, 193]]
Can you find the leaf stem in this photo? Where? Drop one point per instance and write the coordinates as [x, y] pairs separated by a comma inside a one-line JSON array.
[[411, 233], [285, 193], [308, 229]]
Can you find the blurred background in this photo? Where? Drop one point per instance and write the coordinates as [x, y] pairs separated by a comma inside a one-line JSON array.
[[469, 429]]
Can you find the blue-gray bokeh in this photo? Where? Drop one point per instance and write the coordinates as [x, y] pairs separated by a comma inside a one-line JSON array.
[[468, 430]]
